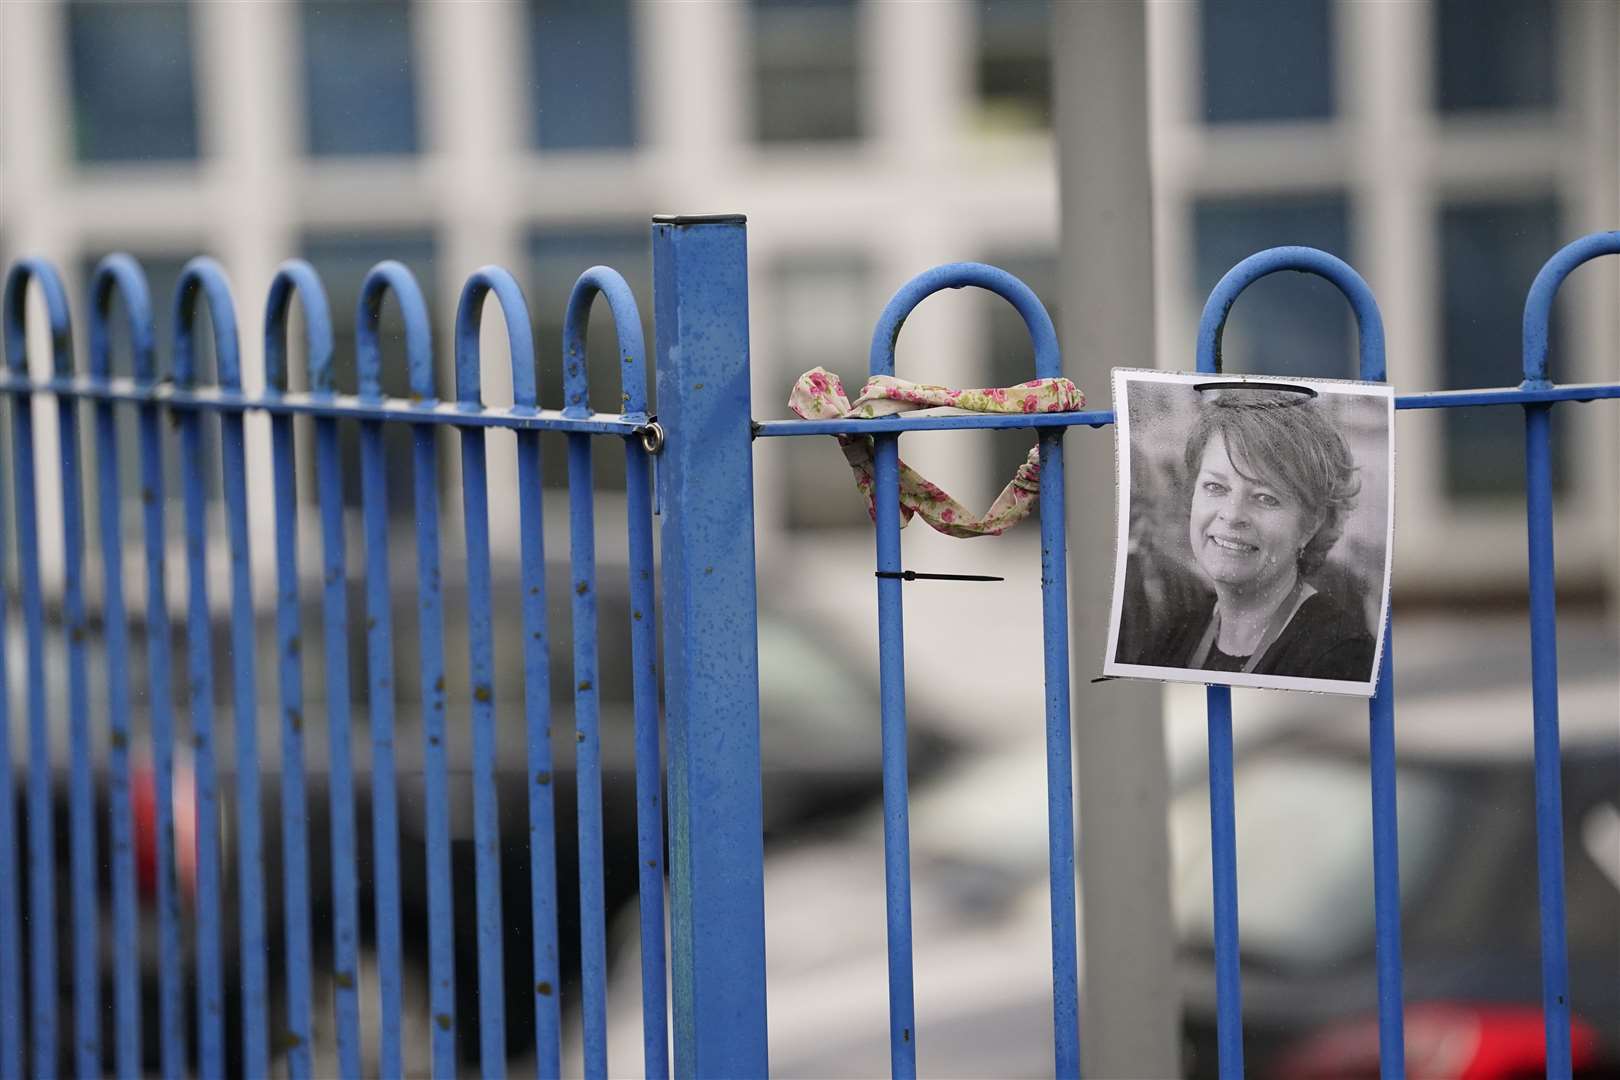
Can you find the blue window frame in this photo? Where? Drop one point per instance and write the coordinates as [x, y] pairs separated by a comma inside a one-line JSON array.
[[359, 82], [1286, 324], [134, 91], [1491, 252], [1495, 54], [1266, 60], [806, 71], [1014, 64], [581, 81]]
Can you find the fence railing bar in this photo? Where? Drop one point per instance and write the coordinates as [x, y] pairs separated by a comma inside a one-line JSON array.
[[1544, 700], [345, 974], [41, 850], [1059, 759], [118, 273], [1386, 894], [11, 965], [896, 814], [1536, 328], [1386, 869], [203, 278], [160, 698], [649, 766], [41, 840], [293, 276], [82, 795], [1096, 418], [342, 406], [390, 277], [384, 788], [1223, 852], [333, 406], [537, 716], [481, 648], [587, 717], [245, 719], [643, 640]]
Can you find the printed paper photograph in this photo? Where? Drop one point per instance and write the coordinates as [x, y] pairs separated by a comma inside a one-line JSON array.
[[1255, 529]]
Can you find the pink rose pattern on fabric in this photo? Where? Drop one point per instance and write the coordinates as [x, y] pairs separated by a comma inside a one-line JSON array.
[[820, 393]]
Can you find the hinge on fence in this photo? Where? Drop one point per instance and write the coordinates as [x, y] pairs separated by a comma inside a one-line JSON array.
[[652, 441]]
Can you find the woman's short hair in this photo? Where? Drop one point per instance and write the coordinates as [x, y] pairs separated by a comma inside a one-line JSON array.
[[1288, 441]]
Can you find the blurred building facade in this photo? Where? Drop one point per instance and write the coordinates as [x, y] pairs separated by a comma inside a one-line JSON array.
[[1445, 149]]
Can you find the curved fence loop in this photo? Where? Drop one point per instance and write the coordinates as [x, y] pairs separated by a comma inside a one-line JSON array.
[[632, 346], [57, 315], [296, 276], [204, 277], [122, 274], [391, 276], [1539, 302], [1306, 260], [1042, 334], [519, 337]]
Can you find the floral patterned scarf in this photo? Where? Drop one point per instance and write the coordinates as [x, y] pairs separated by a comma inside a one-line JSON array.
[[819, 394]]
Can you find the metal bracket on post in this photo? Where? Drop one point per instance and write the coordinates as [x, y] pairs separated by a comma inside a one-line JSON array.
[[711, 646]]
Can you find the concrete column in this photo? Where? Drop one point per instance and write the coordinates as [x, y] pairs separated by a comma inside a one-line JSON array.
[[1129, 1002]]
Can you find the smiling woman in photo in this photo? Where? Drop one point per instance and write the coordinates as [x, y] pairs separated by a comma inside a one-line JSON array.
[[1270, 482]]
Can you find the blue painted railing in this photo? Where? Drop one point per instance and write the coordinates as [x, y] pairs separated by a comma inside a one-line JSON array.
[[703, 444]]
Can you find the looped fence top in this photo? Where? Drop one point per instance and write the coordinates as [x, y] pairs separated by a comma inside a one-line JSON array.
[[203, 278], [819, 394], [621, 300], [56, 313], [1305, 260], [520, 340], [390, 276], [295, 276], [122, 275]]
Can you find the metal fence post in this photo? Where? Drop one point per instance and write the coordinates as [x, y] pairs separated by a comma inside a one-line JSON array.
[[711, 683]]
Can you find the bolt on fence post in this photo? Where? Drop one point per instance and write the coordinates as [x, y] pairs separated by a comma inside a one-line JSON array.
[[711, 678]]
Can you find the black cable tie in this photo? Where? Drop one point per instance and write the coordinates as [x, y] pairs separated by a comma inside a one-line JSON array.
[[1250, 384], [915, 575]]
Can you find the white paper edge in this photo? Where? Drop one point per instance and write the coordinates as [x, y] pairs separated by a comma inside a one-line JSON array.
[[1119, 377]]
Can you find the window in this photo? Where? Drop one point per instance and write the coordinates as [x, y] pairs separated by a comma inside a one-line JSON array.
[[1492, 252], [806, 78], [581, 87], [1495, 54], [1014, 64], [1285, 324], [822, 311], [1267, 60], [556, 259], [342, 262], [134, 97], [359, 89]]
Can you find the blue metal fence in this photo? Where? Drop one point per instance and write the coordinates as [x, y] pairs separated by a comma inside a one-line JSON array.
[[703, 446]]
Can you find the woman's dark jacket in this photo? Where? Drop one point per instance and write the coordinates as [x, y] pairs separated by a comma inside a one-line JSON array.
[[1324, 640]]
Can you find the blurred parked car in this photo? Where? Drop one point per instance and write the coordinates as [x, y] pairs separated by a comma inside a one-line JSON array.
[[981, 922], [1469, 918], [820, 758]]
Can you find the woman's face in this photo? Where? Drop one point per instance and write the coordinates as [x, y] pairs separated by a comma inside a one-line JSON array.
[[1245, 533]]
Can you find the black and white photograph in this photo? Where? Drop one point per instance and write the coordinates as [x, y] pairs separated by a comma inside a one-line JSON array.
[[1255, 530]]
